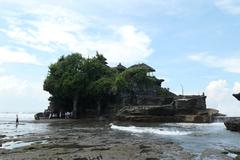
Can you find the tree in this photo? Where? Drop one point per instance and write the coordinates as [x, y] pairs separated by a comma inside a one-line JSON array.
[[100, 58], [66, 79], [75, 77], [77, 84], [101, 90]]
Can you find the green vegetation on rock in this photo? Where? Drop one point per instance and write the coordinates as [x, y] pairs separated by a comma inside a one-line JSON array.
[[83, 85]]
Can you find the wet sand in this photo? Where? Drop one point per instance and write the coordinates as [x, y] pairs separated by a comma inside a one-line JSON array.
[[89, 140]]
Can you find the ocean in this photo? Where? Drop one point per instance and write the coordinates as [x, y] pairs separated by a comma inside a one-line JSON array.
[[191, 136], [25, 127]]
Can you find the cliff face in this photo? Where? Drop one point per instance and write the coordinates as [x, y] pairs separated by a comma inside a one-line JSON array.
[[233, 124], [190, 104], [190, 108], [155, 103]]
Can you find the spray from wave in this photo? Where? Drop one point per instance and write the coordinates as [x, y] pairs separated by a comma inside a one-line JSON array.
[[159, 131]]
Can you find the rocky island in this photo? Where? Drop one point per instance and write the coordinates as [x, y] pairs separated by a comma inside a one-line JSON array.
[[88, 87]]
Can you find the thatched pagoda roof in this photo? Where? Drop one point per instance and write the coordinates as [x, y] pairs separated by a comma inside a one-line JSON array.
[[143, 65]]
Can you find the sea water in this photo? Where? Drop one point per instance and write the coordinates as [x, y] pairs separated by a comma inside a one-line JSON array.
[[26, 126], [191, 136], [9, 128]]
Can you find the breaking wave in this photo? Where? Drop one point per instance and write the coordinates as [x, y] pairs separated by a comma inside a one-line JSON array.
[[151, 130]]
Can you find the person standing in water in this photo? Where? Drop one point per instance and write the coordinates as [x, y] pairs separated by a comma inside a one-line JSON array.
[[17, 120]]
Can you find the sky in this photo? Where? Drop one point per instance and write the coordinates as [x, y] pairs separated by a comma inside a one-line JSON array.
[[194, 44]]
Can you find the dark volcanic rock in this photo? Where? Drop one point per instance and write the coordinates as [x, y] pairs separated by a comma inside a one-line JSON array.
[[38, 115], [135, 115], [183, 109], [237, 96], [188, 104], [148, 110], [2, 136], [233, 150], [92, 140], [214, 154], [233, 124]]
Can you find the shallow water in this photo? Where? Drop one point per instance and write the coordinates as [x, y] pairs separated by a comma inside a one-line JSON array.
[[17, 144], [193, 137], [9, 128]]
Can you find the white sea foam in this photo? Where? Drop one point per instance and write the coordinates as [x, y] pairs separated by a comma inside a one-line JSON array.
[[17, 144], [159, 131], [199, 124]]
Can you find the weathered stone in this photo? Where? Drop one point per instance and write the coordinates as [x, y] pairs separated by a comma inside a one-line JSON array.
[[233, 150], [149, 118], [188, 104], [233, 124], [150, 100], [97, 142], [165, 110], [214, 154], [2, 136], [237, 96], [41, 115], [183, 109]]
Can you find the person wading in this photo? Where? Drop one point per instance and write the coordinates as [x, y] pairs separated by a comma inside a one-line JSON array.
[[17, 121]]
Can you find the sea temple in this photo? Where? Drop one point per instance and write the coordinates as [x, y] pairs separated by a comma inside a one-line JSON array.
[[122, 93]]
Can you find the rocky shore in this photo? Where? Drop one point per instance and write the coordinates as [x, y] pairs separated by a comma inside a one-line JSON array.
[[233, 124], [76, 140], [85, 140]]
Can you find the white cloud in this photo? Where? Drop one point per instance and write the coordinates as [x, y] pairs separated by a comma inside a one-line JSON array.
[[219, 96], [8, 55], [17, 94], [217, 89], [229, 6], [229, 64], [49, 29], [236, 87], [54, 28], [130, 45], [17, 86], [11, 83]]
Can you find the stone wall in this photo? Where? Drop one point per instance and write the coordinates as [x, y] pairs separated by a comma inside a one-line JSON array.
[[190, 103], [191, 108], [153, 100]]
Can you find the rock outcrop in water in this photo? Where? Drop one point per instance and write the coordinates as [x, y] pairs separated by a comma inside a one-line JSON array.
[[89, 87], [233, 123], [237, 96], [181, 109]]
